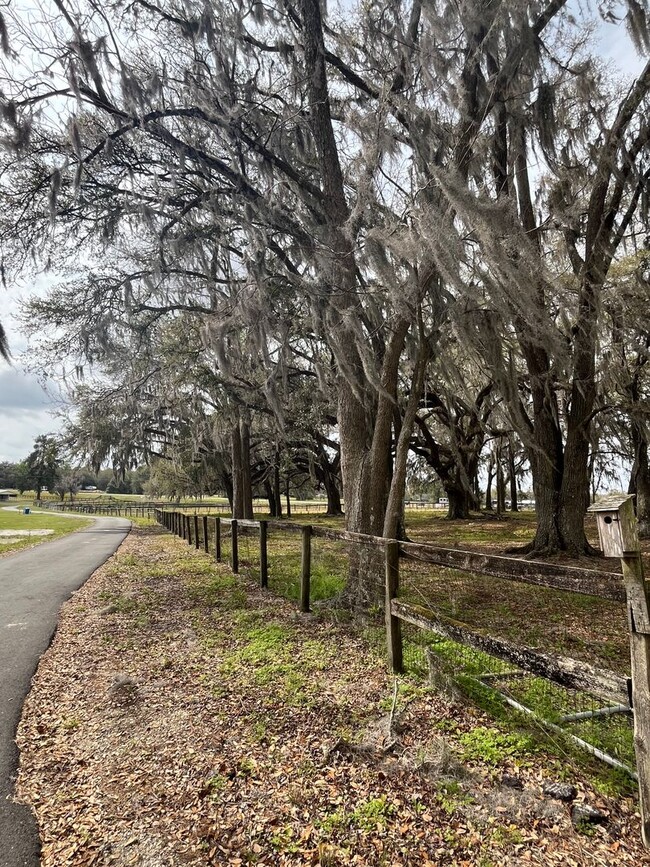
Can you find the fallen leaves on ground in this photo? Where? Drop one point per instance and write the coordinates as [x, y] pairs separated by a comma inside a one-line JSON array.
[[183, 716]]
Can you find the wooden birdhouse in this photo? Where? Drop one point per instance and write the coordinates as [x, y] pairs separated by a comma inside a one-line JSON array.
[[617, 527]]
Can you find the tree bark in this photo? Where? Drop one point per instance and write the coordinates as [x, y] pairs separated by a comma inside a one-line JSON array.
[[237, 472], [514, 504], [395, 506], [488, 487], [277, 488], [334, 507], [247, 486], [640, 478], [459, 503]]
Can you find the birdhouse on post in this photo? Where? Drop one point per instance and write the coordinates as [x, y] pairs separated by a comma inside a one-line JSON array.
[[616, 525]]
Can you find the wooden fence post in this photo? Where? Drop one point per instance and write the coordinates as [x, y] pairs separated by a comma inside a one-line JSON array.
[[305, 570], [264, 562], [638, 610], [393, 624], [619, 537], [217, 539], [234, 544], [188, 527], [206, 544], [196, 531]]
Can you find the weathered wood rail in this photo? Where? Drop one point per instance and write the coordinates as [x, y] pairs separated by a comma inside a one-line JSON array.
[[606, 585]]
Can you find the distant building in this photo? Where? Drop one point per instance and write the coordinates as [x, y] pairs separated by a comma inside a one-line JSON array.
[[5, 495]]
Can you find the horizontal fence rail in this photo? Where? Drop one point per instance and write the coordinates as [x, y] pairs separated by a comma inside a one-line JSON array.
[[606, 585]]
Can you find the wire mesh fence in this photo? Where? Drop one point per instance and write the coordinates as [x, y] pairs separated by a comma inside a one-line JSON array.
[[284, 559], [604, 724], [569, 624]]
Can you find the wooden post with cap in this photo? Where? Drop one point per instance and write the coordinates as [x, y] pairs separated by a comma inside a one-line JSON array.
[[617, 530]]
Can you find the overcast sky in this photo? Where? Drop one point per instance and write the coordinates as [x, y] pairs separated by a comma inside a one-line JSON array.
[[27, 411]]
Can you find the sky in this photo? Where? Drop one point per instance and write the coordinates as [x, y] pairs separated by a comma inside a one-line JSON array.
[[26, 410]]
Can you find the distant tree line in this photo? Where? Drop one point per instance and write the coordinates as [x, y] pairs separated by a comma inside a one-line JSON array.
[[45, 469]]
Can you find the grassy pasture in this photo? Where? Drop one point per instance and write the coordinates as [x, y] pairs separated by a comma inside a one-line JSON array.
[[12, 520]]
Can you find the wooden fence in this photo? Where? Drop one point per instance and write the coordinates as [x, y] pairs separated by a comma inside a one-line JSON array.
[[205, 532], [198, 530], [139, 509]]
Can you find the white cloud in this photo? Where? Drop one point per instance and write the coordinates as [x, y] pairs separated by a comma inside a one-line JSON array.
[[25, 407]]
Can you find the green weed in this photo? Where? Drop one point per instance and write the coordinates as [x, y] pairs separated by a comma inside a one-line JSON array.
[[493, 746]]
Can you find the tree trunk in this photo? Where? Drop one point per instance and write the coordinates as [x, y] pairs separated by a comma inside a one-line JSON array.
[[364, 486], [459, 502], [501, 486], [242, 490], [237, 473], [277, 487], [334, 507], [574, 491], [247, 485], [640, 478], [381, 475], [395, 508], [514, 504], [270, 497], [488, 486], [327, 475]]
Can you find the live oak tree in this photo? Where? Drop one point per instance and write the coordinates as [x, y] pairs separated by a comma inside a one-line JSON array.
[[519, 86], [379, 173], [199, 150]]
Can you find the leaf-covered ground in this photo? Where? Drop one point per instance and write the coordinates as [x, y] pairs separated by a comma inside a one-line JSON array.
[[184, 717]]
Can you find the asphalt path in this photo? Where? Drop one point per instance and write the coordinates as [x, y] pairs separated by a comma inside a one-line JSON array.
[[34, 583]]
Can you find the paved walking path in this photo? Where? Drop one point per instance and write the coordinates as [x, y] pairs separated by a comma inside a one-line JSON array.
[[33, 585]]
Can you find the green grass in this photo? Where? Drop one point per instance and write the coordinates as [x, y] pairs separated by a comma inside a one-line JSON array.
[[61, 526], [329, 562], [328, 568], [270, 656], [432, 525]]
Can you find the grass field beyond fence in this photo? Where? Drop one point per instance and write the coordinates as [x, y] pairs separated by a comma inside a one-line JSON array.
[[11, 520]]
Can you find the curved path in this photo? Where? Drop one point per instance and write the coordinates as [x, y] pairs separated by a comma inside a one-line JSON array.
[[33, 585]]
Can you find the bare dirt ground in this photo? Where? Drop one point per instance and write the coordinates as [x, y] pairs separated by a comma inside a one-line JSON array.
[[184, 717]]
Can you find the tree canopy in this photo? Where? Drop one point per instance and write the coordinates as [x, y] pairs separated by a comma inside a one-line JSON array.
[[249, 203]]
